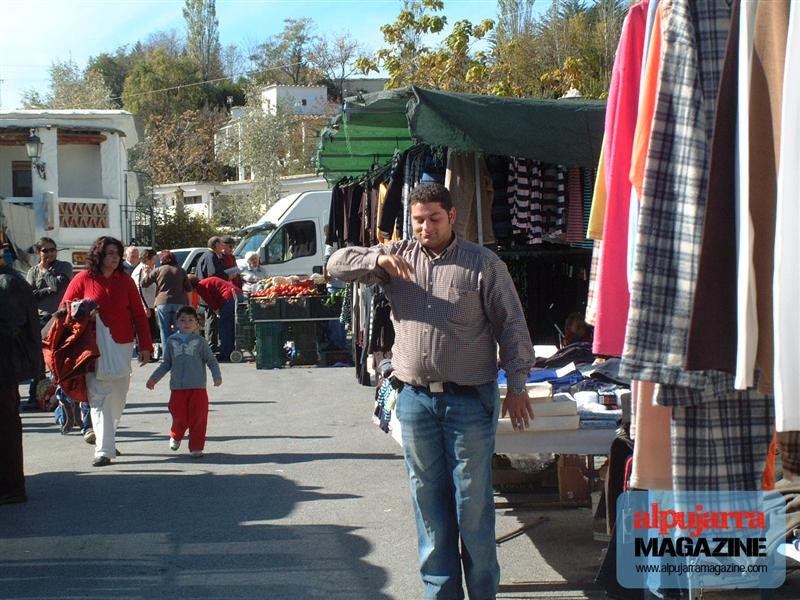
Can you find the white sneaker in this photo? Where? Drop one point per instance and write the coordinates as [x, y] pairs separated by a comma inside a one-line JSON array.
[[196, 453], [174, 444]]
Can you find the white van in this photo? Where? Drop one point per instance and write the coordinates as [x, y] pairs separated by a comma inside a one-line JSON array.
[[290, 238]]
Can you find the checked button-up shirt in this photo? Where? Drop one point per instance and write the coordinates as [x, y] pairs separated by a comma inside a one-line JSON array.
[[451, 317]]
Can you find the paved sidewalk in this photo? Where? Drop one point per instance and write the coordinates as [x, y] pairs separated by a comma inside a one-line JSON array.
[[298, 497]]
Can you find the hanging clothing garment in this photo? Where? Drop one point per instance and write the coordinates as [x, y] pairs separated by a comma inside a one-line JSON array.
[[460, 180], [721, 445], [712, 332], [598, 213], [525, 199], [786, 284], [594, 275], [746, 318], [652, 454], [574, 229], [673, 194], [613, 297], [648, 85], [766, 92]]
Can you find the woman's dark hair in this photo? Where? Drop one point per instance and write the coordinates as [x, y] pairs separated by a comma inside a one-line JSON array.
[[42, 241], [187, 310], [193, 279], [94, 260], [168, 258], [148, 254]]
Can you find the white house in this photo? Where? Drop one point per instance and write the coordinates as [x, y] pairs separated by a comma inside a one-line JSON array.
[[76, 189], [303, 99]]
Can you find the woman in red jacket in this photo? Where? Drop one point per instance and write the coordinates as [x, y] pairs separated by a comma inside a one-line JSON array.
[[120, 315]]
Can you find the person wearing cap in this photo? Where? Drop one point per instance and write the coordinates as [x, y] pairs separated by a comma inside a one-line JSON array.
[[229, 260], [453, 303]]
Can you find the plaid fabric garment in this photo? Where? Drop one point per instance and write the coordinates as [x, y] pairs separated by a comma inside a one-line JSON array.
[[722, 444], [673, 195], [789, 445], [594, 276]]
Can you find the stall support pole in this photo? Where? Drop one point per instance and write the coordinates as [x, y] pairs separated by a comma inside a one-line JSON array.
[[478, 200]]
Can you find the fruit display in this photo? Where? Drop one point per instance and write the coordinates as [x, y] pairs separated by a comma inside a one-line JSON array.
[[284, 287]]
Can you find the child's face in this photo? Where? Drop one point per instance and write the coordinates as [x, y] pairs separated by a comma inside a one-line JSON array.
[[187, 323]]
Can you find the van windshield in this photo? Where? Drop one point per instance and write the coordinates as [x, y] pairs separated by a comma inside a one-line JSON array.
[[251, 242]]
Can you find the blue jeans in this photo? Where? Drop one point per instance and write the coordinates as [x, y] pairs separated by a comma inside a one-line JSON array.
[[167, 314], [448, 443]]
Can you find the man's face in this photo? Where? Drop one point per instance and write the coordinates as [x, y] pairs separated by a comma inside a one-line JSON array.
[[433, 225], [132, 255], [47, 254], [227, 248]]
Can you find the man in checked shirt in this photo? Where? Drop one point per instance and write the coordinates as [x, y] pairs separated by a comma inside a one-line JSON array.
[[452, 303]]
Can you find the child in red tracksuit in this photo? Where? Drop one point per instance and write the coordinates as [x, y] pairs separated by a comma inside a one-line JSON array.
[[186, 356]]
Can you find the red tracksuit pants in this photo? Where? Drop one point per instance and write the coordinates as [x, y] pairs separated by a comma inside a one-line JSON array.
[[189, 410]]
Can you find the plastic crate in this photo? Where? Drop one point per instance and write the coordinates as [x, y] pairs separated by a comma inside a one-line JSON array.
[[304, 336], [320, 309], [270, 338], [265, 309], [296, 307]]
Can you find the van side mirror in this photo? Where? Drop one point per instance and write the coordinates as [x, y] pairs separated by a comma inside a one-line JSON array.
[[317, 270], [263, 255]]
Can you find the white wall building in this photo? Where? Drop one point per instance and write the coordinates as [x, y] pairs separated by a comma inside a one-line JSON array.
[[303, 99], [79, 190]]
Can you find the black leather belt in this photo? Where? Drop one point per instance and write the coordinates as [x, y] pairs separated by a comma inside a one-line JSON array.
[[446, 386]]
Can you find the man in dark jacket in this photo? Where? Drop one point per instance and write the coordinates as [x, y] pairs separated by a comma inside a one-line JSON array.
[[49, 279], [212, 265], [20, 359]]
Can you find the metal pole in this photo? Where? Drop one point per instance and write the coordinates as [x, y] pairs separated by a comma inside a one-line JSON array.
[[478, 201]]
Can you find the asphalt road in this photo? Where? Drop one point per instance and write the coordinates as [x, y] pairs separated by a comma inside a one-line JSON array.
[[299, 497]]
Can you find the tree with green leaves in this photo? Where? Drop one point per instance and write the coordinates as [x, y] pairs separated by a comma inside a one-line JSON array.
[[71, 88], [202, 37], [283, 58]]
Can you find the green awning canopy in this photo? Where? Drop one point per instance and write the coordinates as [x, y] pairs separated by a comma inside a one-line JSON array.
[[371, 128]]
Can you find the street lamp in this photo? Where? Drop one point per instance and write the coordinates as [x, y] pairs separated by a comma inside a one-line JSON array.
[[33, 147]]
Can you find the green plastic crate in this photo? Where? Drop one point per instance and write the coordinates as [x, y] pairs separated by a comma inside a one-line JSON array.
[[270, 338]]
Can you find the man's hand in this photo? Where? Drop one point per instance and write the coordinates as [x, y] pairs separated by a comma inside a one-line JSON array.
[[151, 383], [396, 266], [518, 408], [218, 382], [144, 357]]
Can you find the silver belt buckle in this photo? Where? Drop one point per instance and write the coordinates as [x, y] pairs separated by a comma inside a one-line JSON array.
[[436, 387]]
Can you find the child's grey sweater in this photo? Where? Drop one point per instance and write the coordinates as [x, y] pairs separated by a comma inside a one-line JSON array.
[[186, 361]]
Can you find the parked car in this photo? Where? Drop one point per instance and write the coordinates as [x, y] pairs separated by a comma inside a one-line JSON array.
[[188, 257]]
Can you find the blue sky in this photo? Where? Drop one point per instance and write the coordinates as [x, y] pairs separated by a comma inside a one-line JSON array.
[[33, 33]]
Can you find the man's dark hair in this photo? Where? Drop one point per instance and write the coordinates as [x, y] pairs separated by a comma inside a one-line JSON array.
[[42, 241], [94, 260], [187, 310], [213, 241], [228, 240], [430, 192], [148, 254]]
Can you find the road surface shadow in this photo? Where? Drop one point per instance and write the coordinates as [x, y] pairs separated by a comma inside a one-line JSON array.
[[151, 536]]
